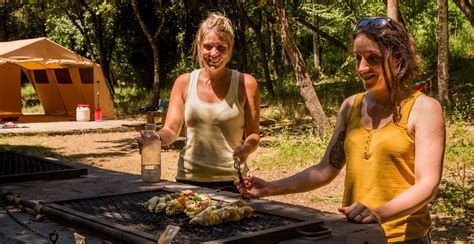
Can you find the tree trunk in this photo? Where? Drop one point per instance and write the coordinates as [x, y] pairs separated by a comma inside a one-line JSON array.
[[261, 46], [332, 40], [243, 45], [354, 18], [316, 50], [392, 9], [467, 9], [302, 76], [156, 77], [95, 34], [264, 62], [274, 55], [152, 40], [443, 69]]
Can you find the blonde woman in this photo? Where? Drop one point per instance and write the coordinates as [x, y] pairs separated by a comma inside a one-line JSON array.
[[220, 108]]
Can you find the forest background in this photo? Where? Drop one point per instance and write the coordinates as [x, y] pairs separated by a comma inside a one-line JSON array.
[[143, 46]]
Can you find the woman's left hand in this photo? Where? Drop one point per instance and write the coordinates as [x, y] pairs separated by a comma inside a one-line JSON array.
[[359, 213]]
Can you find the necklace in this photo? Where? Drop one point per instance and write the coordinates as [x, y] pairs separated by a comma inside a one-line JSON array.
[[208, 84], [216, 81]]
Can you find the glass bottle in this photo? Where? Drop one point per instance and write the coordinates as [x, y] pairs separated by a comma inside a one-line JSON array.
[[151, 158]]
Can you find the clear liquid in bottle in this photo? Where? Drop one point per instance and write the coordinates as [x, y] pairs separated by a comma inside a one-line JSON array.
[[151, 159]]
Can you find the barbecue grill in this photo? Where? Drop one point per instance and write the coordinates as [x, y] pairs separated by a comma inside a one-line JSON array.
[[15, 167], [123, 219]]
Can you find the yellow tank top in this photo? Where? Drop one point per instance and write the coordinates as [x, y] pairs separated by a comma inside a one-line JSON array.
[[380, 165], [213, 131]]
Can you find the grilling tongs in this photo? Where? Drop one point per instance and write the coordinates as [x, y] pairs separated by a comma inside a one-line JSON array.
[[239, 171]]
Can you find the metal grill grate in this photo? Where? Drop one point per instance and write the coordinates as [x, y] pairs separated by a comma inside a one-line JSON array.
[[15, 167], [127, 210]]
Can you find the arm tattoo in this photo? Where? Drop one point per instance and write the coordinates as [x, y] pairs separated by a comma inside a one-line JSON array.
[[337, 156]]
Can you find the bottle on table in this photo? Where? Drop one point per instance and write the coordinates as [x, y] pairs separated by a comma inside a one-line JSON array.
[[151, 156]]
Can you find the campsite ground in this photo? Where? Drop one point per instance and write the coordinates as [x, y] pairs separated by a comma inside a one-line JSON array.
[[118, 151]]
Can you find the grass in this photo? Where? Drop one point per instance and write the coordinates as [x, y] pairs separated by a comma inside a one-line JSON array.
[[132, 100], [129, 99], [330, 198], [30, 102], [455, 197], [302, 148]]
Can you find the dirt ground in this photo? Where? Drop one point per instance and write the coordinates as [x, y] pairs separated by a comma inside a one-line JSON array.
[[118, 151]]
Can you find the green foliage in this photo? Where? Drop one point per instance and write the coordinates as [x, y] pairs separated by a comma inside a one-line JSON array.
[[455, 196], [62, 31], [129, 99], [109, 33], [459, 147], [423, 26], [28, 92], [302, 149], [185, 65], [461, 87], [296, 146], [461, 34], [290, 105], [334, 20], [330, 198], [421, 21], [454, 199], [332, 93], [21, 21], [30, 102]]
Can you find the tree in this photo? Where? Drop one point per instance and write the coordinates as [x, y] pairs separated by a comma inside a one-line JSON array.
[[467, 8], [316, 48], [392, 9], [152, 38], [333, 40], [257, 27], [21, 20], [443, 69], [302, 76], [97, 23]]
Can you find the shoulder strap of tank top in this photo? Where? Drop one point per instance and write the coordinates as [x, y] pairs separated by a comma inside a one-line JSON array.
[[234, 85], [355, 109], [406, 107], [193, 83]]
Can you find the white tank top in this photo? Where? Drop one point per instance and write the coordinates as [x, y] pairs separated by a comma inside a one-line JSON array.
[[213, 131]]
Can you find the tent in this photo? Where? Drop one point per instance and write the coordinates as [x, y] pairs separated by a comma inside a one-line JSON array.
[[62, 79]]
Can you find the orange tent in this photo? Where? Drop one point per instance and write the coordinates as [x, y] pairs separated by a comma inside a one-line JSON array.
[[62, 79]]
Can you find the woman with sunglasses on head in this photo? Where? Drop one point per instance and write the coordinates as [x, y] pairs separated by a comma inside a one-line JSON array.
[[219, 106], [390, 138]]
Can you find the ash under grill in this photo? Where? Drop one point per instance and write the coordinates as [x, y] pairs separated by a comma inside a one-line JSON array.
[[125, 213], [15, 167]]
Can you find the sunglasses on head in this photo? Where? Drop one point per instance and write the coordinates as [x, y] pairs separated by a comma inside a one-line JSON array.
[[376, 22]]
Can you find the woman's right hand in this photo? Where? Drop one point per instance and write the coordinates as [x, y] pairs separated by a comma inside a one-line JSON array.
[[254, 187], [145, 136]]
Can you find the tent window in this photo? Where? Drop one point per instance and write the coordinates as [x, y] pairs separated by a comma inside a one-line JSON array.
[[87, 75], [63, 76], [41, 77]]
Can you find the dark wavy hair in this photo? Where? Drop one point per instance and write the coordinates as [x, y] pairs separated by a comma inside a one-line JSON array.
[[393, 40]]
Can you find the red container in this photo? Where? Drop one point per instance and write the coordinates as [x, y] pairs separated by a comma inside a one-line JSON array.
[[98, 114]]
